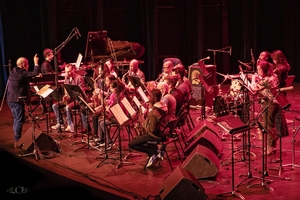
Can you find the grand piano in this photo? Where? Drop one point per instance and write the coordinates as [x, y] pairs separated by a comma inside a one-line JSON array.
[[99, 46]]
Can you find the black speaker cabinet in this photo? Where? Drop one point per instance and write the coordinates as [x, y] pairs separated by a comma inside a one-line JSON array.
[[209, 140], [43, 141], [200, 128], [182, 185], [200, 94], [194, 71], [202, 163]]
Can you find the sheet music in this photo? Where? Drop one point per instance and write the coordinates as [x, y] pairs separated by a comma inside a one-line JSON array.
[[78, 61], [119, 114], [128, 107], [142, 94], [138, 104], [225, 126], [45, 91]]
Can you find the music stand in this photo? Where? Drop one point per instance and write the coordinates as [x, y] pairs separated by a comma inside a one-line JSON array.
[[36, 151], [44, 93], [123, 121], [232, 125], [87, 141], [136, 82]]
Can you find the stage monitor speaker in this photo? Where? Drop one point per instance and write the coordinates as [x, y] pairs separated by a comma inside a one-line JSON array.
[[202, 163], [209, 140], [43, 141], [200, 128], [182, 185]]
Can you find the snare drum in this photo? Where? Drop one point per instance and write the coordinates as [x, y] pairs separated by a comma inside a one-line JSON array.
[[220, 106]]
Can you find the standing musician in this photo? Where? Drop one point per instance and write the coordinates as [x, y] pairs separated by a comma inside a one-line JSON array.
[[265, 81], [46, 66], [73, 79], [282, 67], [18, 92]]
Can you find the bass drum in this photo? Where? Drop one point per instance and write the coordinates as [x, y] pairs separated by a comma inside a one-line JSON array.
[[220, 106]]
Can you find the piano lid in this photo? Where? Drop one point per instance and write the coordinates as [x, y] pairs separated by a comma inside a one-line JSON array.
[[98, 46]]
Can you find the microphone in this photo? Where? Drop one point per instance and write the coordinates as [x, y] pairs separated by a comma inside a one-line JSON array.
[[230, 51], [207, 58], [246, 65], [252, 57], [285, 89]]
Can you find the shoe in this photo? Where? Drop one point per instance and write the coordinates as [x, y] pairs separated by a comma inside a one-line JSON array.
[[110, 145], [153, 159], [161, 154], [15, 145], [56, 126], [270, 151], [70, 128]]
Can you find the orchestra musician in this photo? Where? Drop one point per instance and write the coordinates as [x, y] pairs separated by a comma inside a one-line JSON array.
[[281, 68], [134, 70], [73, 79], [168, 99], [156, 118], [46, 66], [18, 92], [183, 83], [112, 68], [101, 92], [167, 70], [171, 82], [117, 93], [265, 81]]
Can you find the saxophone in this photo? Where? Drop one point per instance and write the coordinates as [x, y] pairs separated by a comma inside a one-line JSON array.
[[139, 124]]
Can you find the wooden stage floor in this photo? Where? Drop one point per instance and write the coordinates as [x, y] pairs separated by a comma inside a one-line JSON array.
[[79, 171]]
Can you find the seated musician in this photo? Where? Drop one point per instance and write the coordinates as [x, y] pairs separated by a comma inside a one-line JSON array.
[[73, 79], [167, 70], [112, 68], [168, 99], [117, 93], [101, 92], [264, 82], [171, 82], [152, 128], [134, 71], [182, 84]]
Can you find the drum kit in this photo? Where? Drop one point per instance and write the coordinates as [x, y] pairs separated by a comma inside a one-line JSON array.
[[235, 101]]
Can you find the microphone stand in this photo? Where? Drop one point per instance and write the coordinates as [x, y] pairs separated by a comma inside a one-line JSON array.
[[55, 52], [105, 134], [222, 50]]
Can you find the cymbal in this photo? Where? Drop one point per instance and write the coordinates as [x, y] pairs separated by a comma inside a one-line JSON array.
[[233, 76]]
